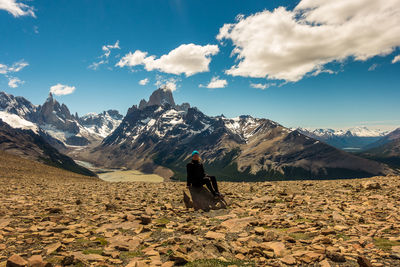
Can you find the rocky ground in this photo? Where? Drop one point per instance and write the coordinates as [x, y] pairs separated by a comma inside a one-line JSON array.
[[87, 222]]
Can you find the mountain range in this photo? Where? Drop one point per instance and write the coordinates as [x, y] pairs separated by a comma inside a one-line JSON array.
[[352, 139], [29, 144], [386, 150], [158, 135]]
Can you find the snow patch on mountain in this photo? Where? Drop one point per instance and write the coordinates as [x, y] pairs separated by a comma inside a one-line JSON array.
[[360, 131], [16, 121]]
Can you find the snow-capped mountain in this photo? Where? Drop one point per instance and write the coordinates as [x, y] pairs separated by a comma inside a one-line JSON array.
[[352, 139], [386, 149], [54, 122], [160, 136], [360, 131], [28, 142], [17, 105], [101, 124], [18, 122]]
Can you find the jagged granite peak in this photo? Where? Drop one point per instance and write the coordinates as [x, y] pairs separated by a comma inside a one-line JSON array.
[[159, 97], [52, 114], [101, 124]]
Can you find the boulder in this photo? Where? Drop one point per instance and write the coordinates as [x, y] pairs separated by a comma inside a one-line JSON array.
[[16, 261], [201, 198], [370, 185]]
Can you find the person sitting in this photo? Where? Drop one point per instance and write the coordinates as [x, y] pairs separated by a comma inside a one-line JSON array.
[[196, 176]]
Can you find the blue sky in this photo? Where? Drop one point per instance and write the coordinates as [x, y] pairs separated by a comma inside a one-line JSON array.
[[320, 71]]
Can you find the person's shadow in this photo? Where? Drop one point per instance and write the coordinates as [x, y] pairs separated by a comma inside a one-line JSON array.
[[202, 198]]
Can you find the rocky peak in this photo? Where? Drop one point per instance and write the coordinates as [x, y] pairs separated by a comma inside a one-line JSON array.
[[17, 105], [56, 115], [159, 97], [114, 114], [50, 98]]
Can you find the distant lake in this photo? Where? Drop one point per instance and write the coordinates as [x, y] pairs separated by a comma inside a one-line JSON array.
[[130, 176], [118, 175]]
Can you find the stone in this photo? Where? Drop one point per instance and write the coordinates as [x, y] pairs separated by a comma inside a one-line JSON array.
[[145, 219], [371, 185], [289, 260], [214, 235], [179, 258], [311, 257], [53, 248], [16, 261], [328, 232], [363, 262], [335, 256], [200, 198], [37, 261], [55, 210], [237, 224], [278, 248], [67, 260], [324, 263], [87, 257]]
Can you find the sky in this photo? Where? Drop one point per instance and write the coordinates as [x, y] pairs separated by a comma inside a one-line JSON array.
[[308, 63]]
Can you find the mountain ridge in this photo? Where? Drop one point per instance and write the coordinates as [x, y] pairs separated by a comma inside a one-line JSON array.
[[159, 138]]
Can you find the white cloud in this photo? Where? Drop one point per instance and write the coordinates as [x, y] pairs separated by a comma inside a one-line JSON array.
[[95, 65], [144, 81], [216, 82], [16, 8], [187, 59], [132, 59], [16, 67], [289, 44], [262, 86], [396, 59], [169, 86], [14, 82], [373, 67], [61, 89], [107, 48], [167, 83], [104, 58]]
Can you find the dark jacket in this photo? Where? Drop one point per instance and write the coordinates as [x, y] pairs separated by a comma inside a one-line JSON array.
[[195, 173]]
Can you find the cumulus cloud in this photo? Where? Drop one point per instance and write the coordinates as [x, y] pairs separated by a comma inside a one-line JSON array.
[[396, 59], [373, 67], [289, 44], [17, 9], [16, 67], [171, 85], [144, 81], [216, 82], [132, 59], [262, 86], [167, 83], [104, 57], [187, 59], [61, 89], [14, 82], [107, 48]]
